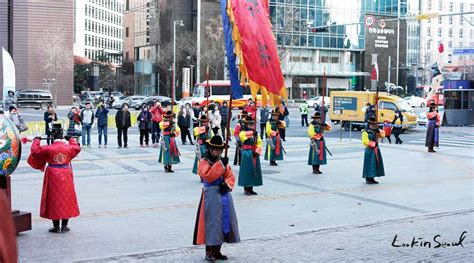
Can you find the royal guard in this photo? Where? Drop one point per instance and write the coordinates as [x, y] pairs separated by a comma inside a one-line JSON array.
[[274, 150], [250, 173], [432, 132], [238, 127], [317, 149], [58, 200], [169, 153], [373, 163], [202, 134], [216, 221]]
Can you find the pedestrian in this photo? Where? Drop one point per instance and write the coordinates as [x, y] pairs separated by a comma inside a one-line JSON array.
[[226, 114], [251, 108], [373, 163], [102, 115], [157, 116], [123, 121], [387, 129], [169, 153], [304, 113], [250, 172], [432, 132], [274, 149], [264, 114], [397, 126], [202, 134], [215, 119], [283, 116], [75, 124], [196, 114], [144, 124], [87, 117], [184, 124], [238, 142], [317, 150], [58, 199], [17, 119], [10, 100], [49, 118], [216, 220]]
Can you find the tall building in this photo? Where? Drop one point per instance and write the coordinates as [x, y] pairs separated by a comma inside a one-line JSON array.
[[42, 32], [98, 29], [453, 32], [338, 54]]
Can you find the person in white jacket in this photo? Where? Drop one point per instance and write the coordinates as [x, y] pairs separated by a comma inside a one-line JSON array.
[[215, 119]]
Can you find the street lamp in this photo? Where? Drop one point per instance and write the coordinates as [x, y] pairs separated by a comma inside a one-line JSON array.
[[175, 23]]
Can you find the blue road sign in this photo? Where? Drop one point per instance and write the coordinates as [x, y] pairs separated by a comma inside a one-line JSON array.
[[463, 51]]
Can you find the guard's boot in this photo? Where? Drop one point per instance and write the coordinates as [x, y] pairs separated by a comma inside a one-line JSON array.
[[169, 169], [369, 181], [246, 191], [317, 169], [209, 254], [55, 229], [374, 182], [273, 163], [217, 253], [251, 191]]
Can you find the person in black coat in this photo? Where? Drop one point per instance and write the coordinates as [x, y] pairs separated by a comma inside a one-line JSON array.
[[397, 126], [184, 123], [123, 122], [225, 111], [49, 117], [144, 124]]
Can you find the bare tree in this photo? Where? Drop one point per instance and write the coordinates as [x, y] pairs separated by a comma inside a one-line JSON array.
[[55, 54], [213, 54]]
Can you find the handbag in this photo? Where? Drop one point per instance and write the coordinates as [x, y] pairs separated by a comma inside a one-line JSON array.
[[77, 130]]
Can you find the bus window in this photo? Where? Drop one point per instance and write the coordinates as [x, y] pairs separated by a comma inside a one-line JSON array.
[[246, 90], [220, 90], [198, 91]]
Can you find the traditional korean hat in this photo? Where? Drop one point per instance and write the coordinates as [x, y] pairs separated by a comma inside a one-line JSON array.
[[169, 114], [432, 104], [249, 120], [372, 120], [316, 115], [216, 143], [203, 118], [244, 113], [275, 112]]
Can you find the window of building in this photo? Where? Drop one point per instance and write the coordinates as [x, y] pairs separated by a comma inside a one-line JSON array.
[[429, 5], [472, 7], [440, 6], [450, 33], [450, 20], [127, 5], [440, 20], [126, 32], [460, 33], [461, 7], [428, 45], [450, 44], [461, 20], [428, 31], [440, 32], [451, 6], [471, 34]]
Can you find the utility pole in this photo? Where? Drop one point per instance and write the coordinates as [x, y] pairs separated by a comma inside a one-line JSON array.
[[198, 52], [10, 27], [398, 40]]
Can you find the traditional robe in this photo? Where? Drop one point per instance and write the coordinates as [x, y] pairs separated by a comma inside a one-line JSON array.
[[373, 162], [250, 172], [202, 134], [169, 153], [315, 132], [274, 148], [58, 200], [432, 132]]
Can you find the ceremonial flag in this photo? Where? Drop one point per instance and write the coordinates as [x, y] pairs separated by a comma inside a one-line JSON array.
[[237, 92], [256, 48]]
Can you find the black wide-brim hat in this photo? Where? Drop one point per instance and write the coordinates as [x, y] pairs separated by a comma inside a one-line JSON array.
[[249, 120], [244, 113], [372, 120], [432, 104], [275, 111], [216, 143], [316, 115], [203, 118], [169, 114]]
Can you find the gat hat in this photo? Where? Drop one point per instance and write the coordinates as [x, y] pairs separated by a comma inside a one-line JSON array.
[[275, 112], [372, 120], [216, 142], [432, 104], [169, 114], [249, 120], [244, 113], [316, 115]]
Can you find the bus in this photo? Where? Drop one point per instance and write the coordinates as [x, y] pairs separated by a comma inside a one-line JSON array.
[[219, 92]]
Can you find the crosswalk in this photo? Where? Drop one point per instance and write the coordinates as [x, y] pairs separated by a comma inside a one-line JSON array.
[[450, 141]]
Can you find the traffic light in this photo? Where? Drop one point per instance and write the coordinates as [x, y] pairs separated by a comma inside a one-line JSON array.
[[319, 29]]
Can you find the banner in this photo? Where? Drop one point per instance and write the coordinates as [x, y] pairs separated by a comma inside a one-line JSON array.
[[186, 82], [8, 73]]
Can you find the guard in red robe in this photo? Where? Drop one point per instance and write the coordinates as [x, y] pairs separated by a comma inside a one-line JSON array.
[[58, 200], [216, 221]]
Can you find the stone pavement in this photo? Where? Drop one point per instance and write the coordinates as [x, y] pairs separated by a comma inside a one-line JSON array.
[[130, 207]]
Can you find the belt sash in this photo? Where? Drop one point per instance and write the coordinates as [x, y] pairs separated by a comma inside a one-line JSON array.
[[225, 205]]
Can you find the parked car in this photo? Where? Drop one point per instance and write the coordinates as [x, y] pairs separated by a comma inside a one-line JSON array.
[[422, 120], [38, 99], [185, 101], [318, 100], [415, 101], [118, 101], [82, 105], [134, 101], [150, 101]]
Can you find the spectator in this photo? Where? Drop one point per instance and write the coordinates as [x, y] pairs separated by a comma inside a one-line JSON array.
[[397, 126], [144, 124], [10, 100], [123, 121], [49, 118], [87, 117], [250, 108], [264, 114], [16, 118], [184, 123], [204, 110], [215, 118], [225, 111], [102, 115], [75, 127], [387, 129], [196, 115], [369, 112], [304, 113], [283, 116], [157, 116]]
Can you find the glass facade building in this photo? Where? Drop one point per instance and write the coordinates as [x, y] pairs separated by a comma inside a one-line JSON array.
[[306, 55]]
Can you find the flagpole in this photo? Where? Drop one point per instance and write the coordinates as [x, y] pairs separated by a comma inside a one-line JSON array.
[[323, 114], [207, 92], [228, 124]]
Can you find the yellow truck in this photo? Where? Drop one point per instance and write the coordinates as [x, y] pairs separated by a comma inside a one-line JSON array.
[[349, 107]]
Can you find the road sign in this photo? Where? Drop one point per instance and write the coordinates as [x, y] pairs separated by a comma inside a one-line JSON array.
[[463, 51], [369, 20]]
